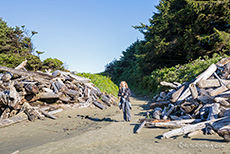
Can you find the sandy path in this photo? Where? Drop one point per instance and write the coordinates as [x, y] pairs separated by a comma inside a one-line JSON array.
[[73, 133]]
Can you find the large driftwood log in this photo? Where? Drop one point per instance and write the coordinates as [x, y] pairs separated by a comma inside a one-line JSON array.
[[222, 101], [93, 88], [193, 90], [72, 93], [164, 83], [21, 66], [173, 124], [5, 114], [188, 128], [106, 100], [218, 91], [203, 76], [211, 83], [58, 85], [14, 99], [70, 75], [223, 61], [222, 127], [30, 111], [25, 73], [18, 118], [48, 95], [195, 133], [177, 94], [159, 104], [100, 106], [225, 133], [205, 99], [16, 152], [55, 111], [140, 127]]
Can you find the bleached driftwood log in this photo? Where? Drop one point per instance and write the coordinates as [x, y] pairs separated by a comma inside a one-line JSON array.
[[159, 104], [157, 113], [55, 111], [25, 73], [140, 127], [211, 83], [218, 90], [164, 83], [193, 90], [100, 106], [48, 95], [173, 124], [195, 133], [222, 101], [222, 127], [177, 94], [170, 110], [15, 119], [203, 76], [21, 66], [189, 128]]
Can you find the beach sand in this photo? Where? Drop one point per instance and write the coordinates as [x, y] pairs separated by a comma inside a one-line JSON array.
[[101, 131]]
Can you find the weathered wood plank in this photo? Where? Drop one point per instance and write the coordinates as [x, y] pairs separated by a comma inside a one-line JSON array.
[[188, 128], [218, 91], [140, 127], [193, 90], [164, 83], [25, 73], [159, 104], [203, 76], [18, 118], [100, 106], [177, 94]]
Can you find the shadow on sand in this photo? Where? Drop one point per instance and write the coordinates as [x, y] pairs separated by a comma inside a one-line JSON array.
[[97, 119]]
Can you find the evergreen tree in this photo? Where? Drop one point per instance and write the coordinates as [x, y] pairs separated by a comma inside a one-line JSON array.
[[179, 32]]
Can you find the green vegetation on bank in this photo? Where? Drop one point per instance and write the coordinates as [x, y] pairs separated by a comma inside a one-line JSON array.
[[179, 73], [102, 82], [178, 33]]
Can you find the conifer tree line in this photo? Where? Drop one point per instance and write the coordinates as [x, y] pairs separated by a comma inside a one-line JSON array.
[[16, 45], [178, 32]]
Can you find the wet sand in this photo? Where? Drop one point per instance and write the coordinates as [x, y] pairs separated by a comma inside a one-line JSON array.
[[96, 131]]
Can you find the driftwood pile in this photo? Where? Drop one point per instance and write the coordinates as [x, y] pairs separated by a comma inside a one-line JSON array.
[[30, 95], [199, 106]]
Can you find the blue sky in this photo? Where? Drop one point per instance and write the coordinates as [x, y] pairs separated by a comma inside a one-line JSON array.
[[85, 34]]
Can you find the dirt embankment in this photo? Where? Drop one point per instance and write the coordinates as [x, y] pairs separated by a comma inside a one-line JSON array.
[[96, 131]]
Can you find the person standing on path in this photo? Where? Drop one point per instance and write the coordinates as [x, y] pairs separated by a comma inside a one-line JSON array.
[[124, 104]]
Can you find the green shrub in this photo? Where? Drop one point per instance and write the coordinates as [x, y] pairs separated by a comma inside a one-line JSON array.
[[104, 83], [150, 85]]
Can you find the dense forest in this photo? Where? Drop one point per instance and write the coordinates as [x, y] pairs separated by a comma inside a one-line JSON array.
[[180, 34], [16, 45]]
